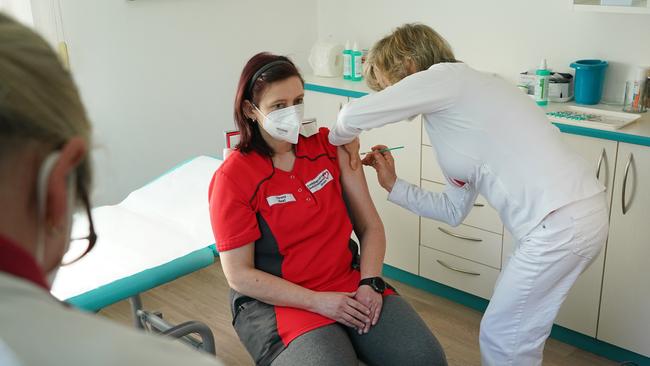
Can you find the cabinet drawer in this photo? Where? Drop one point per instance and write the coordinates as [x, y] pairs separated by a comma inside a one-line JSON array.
[[430, 168], [482, 216], [464, 241], [458, 273]]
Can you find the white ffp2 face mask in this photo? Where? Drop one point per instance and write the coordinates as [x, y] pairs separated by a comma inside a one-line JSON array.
[[284, 124], [309, 127], [41, 202]]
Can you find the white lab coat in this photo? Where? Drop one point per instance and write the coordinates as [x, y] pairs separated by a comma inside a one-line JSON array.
[[491, 139], [486, 133], [37, 329]]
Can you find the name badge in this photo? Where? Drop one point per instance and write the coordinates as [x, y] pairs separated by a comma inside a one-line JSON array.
[[283, 198], [320, 181]]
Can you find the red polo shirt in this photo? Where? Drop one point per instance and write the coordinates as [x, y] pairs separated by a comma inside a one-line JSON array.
[[301, 217]]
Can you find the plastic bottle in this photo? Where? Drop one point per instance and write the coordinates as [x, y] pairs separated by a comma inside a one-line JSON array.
[[357, 66], [347, 61], [542, 75]]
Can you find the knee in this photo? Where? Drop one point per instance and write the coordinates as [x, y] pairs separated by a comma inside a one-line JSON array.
[[426, 350], [486, 329], [432, 356]]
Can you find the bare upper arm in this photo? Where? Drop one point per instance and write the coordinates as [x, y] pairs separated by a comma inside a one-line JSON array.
[[355, 189]]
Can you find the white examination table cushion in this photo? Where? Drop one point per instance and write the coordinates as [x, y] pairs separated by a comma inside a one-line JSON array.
[[158, 233]]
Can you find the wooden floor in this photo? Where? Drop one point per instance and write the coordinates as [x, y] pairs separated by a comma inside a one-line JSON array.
[[203, 296]]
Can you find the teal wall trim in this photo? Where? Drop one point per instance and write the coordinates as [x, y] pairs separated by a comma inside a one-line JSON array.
[[461, 297], [598, 347], [604, 134], [335, 91], [562, 334]]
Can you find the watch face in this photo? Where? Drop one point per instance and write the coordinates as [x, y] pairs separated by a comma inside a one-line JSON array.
[[379, 284]]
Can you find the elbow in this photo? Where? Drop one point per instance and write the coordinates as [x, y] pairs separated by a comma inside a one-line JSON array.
[[343, 114], [233, 283], [455, 220], [373, 229], [238, 281], [346, 119]]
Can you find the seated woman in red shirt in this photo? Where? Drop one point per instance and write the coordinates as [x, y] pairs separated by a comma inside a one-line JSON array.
[[301, 294]]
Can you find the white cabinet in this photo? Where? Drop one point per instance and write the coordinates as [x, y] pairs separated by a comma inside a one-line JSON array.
[[625, 306], [467, 257], [324, 107], [402, 226], [460, 273], [580, 310], [620, 6], [469, 240], [600, 155]]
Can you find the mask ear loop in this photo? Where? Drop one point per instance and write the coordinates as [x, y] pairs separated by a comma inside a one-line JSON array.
[[262, 113], [41, 203]]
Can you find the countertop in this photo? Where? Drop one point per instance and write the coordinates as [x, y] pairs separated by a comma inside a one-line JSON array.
[[637, 132]]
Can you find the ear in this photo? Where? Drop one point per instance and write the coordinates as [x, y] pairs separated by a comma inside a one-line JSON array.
[[249, 110], [410, 66], [72, 154]]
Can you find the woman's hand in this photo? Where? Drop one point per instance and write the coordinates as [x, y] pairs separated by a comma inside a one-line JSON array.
[[342, 307], [373, 300], [384, 164], [352, 148]]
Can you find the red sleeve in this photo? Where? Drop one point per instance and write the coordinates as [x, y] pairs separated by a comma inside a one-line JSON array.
[[234, 222], [323, 134]]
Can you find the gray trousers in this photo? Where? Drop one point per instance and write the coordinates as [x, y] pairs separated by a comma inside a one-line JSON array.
[[400, 338]]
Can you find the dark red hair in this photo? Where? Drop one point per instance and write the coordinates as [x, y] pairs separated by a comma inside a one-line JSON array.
[[248, 89]]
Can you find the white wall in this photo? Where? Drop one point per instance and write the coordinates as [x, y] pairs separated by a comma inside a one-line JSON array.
[[159, 77], [21, 10], [502, 36]]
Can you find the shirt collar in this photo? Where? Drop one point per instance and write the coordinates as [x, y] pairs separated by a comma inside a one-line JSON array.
[[16, 261]]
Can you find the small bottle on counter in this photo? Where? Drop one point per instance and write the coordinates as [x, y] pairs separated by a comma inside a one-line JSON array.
[[357, 66], [347, 61], [542, 75], [635, 92]]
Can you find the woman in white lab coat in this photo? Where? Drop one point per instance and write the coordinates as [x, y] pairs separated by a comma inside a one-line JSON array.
[[44, 174], [493, 140]]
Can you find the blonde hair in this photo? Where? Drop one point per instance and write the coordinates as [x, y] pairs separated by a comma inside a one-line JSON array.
[[411, 44], [39, 101]]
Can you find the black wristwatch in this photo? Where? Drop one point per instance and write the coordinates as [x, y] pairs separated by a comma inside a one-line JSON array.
[[376, 283]]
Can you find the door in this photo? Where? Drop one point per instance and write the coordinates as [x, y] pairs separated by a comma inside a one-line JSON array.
[[625, 307], [580, 310]]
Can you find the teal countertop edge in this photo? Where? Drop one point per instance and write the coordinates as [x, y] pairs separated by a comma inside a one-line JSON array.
[[604, 134], [575, 130], [560, 333], [335, 91]]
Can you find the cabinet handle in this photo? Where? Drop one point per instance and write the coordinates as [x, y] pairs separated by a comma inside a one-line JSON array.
[[340, 106], [627, 170], [479, 205], [459, 236], [600, 163], [457, 269]]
